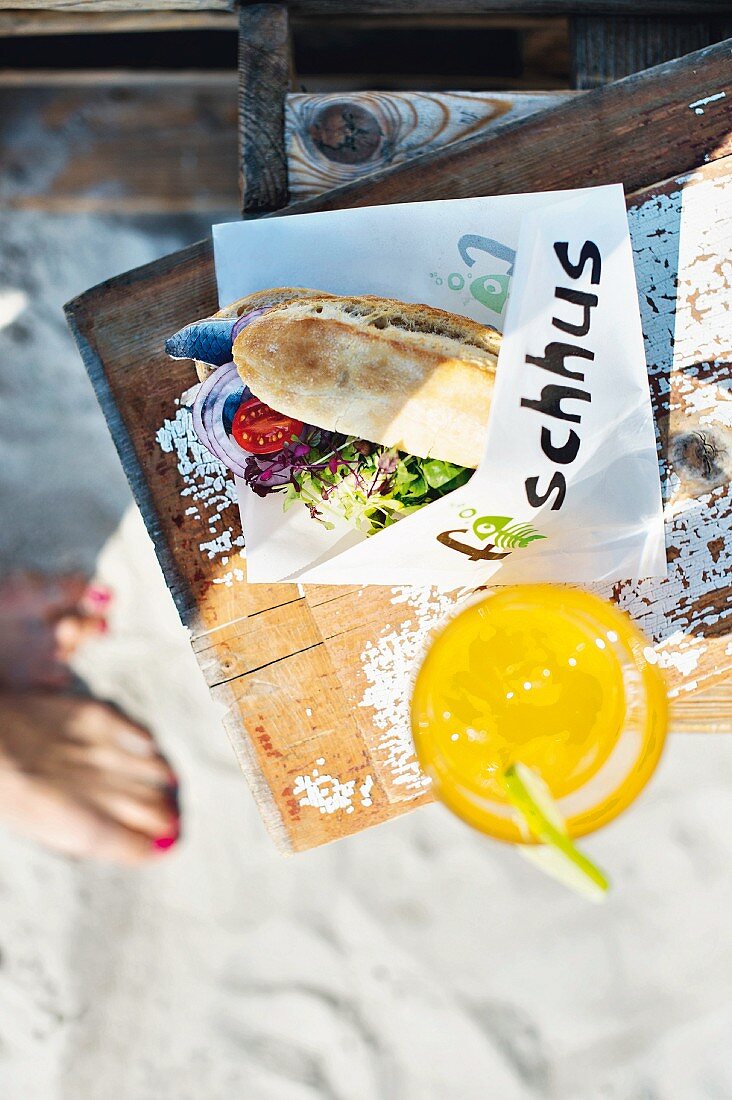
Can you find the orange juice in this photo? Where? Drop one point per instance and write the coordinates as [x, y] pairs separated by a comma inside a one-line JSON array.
[[548, 676]]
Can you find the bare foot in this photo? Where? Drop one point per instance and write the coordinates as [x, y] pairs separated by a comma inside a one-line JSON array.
[[42, 621], [80, 778], [75, 774]]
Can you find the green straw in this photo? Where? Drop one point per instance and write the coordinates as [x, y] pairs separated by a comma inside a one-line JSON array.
[[531, 798]]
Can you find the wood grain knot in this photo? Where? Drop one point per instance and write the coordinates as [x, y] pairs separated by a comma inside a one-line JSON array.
[[701, 456], [346, 133]]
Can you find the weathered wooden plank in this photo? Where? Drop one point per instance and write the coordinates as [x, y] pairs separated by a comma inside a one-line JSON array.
[[389, 7], [358, 20], [161, 148], [609, 47], [256, 641], [334, 139], [308, 766], [264, 80], [42, 22], [708, 711], [120, 78], [119, 5], [154, 148], [682, 240], [591, 139]]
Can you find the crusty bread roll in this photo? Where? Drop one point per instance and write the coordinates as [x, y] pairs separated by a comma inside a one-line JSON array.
[[406, 376], [261, 299]]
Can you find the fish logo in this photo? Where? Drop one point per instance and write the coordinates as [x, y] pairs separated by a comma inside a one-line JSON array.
[[505, 534], [490, 290]]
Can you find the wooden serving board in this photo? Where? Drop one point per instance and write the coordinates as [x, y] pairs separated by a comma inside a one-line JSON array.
[[314, 681]]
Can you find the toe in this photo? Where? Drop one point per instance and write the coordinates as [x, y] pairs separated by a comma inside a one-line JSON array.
[[75, 827], [71, 630], [140, 810], [68, 632], [112, 842]]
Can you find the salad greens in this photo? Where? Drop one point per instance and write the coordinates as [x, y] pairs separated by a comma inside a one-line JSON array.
[[341, 477]]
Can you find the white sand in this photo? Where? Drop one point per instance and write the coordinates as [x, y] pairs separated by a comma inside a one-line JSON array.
[[414, 962]]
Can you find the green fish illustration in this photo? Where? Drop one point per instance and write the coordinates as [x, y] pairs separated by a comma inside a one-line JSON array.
[[504, 533]]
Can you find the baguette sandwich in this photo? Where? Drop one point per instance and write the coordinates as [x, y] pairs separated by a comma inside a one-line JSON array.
[[360, 407]]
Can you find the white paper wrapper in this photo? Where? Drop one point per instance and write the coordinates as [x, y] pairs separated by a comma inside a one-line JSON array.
[[568, 488]]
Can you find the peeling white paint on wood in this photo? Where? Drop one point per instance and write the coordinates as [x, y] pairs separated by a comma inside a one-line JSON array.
[[329, 794], [208, 484], [389, 664], [698, 106]]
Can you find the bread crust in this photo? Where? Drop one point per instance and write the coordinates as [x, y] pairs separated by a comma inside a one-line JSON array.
[[408, 376], [260, 299]]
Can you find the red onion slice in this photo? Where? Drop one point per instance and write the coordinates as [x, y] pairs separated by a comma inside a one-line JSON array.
[[215, 447], [218, 425], [244, 320], [208, 417], [203, 391]]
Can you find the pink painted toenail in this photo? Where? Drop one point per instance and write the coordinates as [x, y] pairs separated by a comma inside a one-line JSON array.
[[98, 593], [164, 842]]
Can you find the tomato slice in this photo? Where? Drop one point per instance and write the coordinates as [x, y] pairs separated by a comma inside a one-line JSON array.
[[260, 430]]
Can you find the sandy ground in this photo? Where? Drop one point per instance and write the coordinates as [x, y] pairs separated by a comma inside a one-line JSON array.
[[413, 962]]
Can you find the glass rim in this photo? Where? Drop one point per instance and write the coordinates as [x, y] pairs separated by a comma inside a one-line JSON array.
[[500, 821]]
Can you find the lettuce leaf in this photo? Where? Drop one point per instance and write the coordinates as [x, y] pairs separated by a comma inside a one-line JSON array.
[[341, 477]]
